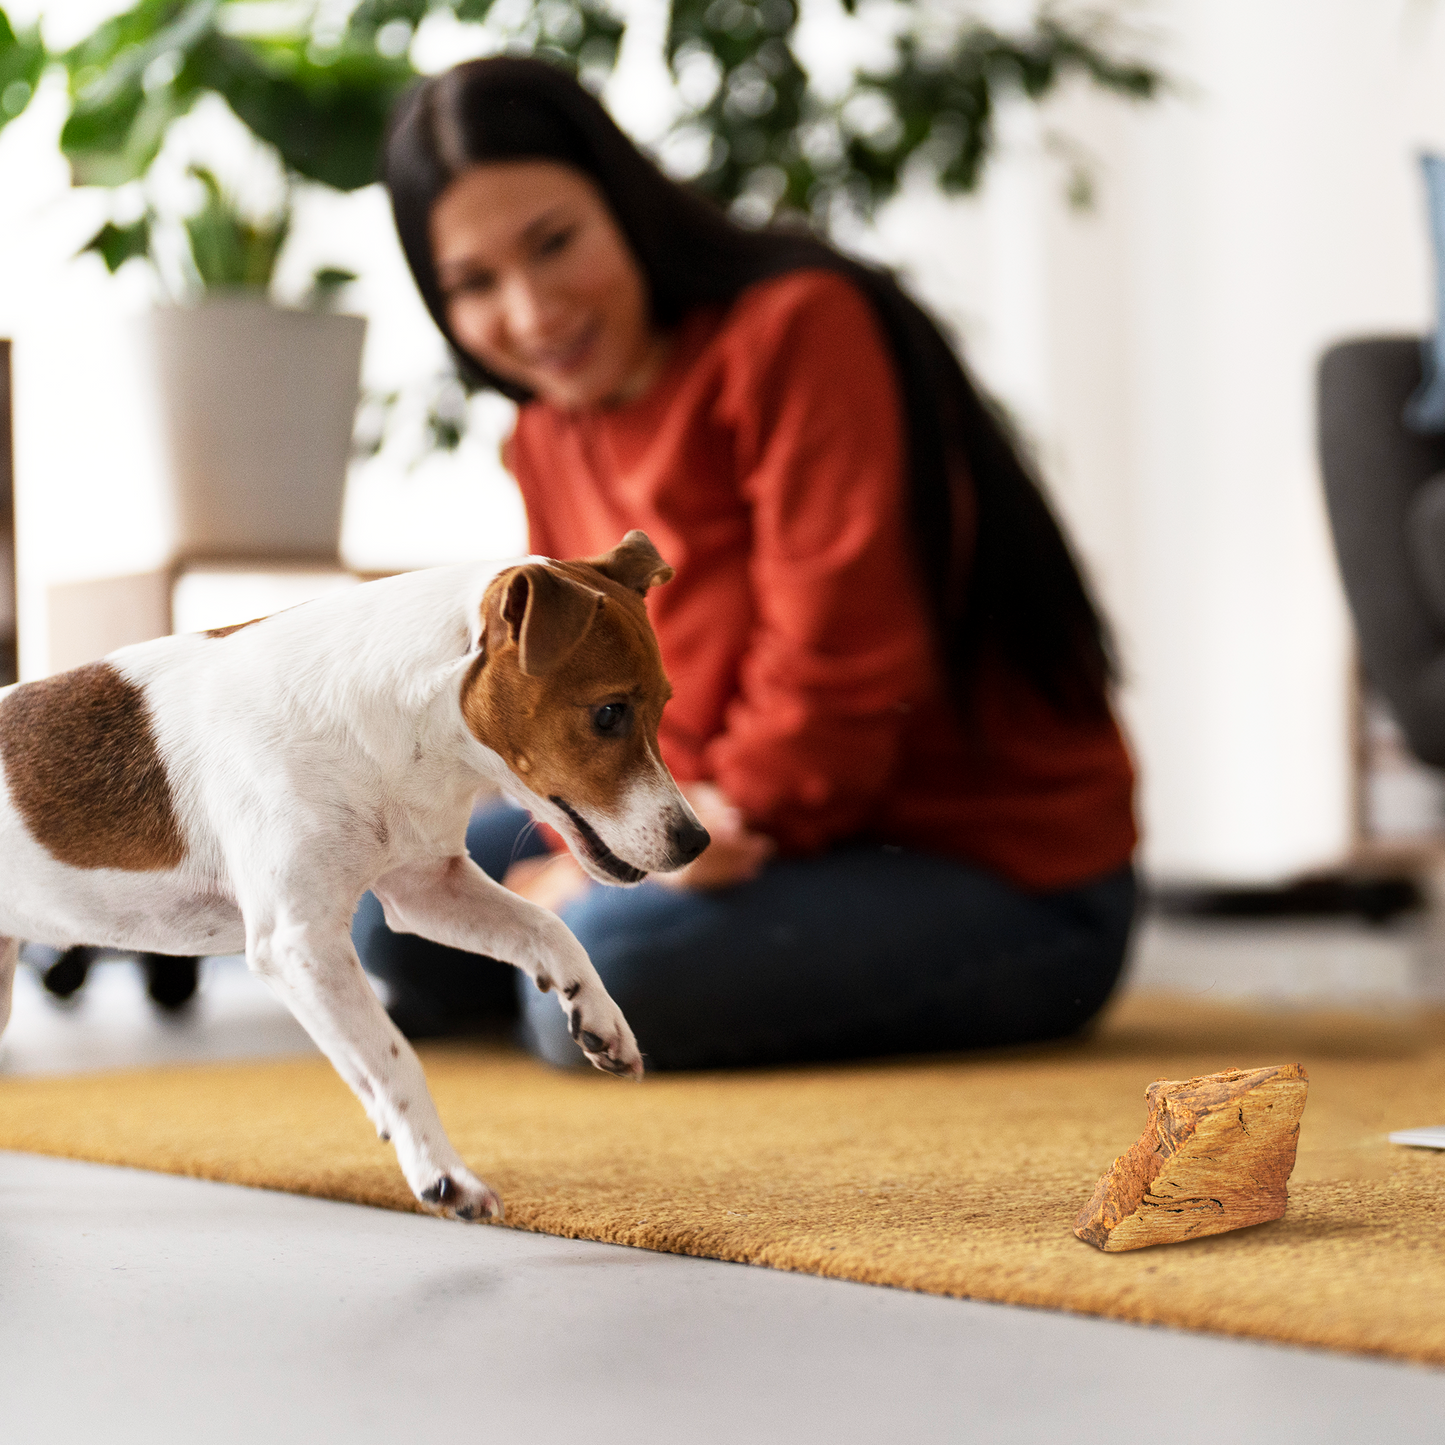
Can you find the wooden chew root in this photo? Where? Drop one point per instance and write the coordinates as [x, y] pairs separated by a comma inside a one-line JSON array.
[[1215, 1155]]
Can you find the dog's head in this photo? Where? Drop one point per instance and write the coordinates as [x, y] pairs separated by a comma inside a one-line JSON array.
[[568, 690]]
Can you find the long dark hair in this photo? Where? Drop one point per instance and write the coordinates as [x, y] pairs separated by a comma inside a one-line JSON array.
[[999, 573]]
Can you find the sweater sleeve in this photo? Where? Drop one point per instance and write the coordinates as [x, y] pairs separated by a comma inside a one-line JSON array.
[[516, 457], [841, 648]]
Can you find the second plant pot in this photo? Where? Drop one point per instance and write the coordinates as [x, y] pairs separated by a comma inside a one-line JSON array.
[[256, 408]]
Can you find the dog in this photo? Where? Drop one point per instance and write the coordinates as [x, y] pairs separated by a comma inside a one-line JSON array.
[[242, 788]]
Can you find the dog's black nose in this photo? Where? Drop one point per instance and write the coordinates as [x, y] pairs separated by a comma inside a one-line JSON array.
[[688, 839]]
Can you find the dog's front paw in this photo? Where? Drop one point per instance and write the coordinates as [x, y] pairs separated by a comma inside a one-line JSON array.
[[459, 1194], [604, 1036]]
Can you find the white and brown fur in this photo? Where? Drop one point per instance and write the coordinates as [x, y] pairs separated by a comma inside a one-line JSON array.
[[243, 788]]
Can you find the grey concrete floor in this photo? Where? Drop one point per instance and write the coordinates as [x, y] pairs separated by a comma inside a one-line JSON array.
[[135, 1307], [139, 1308]]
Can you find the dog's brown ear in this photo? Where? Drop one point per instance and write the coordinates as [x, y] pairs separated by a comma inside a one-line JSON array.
[[635, 563], [545, 614]]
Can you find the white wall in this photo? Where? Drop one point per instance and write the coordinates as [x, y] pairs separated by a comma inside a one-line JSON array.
[[1272, 211], [1160, 352]]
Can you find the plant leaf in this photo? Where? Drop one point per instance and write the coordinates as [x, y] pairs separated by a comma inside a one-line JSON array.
[[764, 118], [120, 110], [22, 60], [114, 58], [228, 251], [327, 282], [116, 245], [371, 15], [326, 114]]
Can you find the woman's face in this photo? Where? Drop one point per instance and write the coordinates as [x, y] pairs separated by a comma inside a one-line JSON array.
[[540, 285]]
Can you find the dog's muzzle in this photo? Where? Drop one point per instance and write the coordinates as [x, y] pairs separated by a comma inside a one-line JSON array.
[[597, 850]]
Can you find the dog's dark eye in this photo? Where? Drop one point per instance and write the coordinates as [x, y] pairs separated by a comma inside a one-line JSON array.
[[611, 719]]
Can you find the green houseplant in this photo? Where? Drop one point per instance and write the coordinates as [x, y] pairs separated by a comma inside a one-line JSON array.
[[315, 82], [256, 401], [318, 90]]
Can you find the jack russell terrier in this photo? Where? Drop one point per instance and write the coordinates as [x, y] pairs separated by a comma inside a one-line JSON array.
[[242, 788]]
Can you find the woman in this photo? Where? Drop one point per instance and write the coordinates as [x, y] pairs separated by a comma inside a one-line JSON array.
[[890, 684]]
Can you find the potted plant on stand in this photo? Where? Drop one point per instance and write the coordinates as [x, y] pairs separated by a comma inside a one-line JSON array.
[[256, 400]]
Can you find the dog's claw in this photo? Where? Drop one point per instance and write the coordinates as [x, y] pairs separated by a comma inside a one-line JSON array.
[[439, 1192], [466, 1198], [608, 1042], [610, 1059]]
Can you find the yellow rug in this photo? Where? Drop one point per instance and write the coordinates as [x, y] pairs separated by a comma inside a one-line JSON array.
[[957, 1176]]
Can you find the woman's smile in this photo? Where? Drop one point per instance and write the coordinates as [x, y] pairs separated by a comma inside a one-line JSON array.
[[568, 357]]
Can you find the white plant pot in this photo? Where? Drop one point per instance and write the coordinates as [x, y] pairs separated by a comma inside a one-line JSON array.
[[256, 409]]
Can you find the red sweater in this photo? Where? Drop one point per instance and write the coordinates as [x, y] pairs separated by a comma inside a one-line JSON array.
[[766, 464]]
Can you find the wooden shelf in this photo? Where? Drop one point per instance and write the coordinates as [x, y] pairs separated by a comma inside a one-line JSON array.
[[1425, 853]]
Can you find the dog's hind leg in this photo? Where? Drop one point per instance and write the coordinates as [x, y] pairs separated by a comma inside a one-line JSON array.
[[9, 955], [314, 970], [451, 901]]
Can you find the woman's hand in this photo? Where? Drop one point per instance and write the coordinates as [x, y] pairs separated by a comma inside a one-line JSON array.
[[551, 881], [735, 855]]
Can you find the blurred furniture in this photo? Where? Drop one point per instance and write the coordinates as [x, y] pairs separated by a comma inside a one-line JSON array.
[[171, 980], [1385, 490], [91, 618]]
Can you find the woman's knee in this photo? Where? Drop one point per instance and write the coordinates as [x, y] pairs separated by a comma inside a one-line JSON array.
[[500, 834], [840, 957], [542, 1027], [369, 933], [649, 947]]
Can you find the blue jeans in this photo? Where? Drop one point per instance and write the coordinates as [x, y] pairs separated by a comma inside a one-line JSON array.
[[863, 950]]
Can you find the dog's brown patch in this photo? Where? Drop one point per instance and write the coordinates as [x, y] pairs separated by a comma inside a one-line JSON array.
[[540, 723], [84, 772], [234, 627]]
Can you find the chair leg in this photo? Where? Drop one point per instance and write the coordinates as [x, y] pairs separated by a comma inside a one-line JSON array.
[[170, 980], [66, 974]]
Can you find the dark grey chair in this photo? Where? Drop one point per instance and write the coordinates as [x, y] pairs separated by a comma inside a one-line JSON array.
[[1385, 488]]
